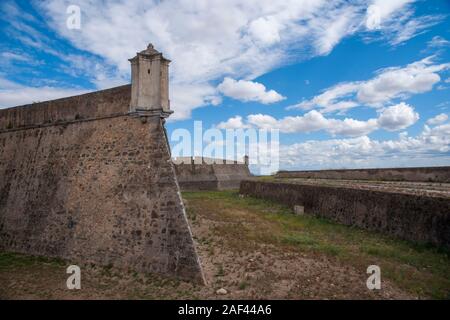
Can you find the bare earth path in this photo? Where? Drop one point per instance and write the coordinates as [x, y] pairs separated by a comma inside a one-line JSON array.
[[254, 250]]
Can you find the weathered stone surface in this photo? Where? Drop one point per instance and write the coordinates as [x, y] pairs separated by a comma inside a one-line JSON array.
[[106, 103], [423, 219], [99, 191], [425, 174], [211, 176], [90, 179], [150, 82]]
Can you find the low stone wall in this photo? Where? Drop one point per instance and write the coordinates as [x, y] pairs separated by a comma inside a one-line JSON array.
[[196, 177], [210, 175], [415, 218], [426, 174]]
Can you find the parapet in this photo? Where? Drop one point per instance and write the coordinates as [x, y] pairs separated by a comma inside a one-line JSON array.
[[206, 160], [421, 174], [95, 105], [202, 173]]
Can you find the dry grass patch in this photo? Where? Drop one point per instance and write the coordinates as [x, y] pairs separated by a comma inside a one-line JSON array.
[[421, 270]]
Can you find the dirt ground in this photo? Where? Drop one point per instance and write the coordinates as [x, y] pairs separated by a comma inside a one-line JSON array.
[[238, 253]]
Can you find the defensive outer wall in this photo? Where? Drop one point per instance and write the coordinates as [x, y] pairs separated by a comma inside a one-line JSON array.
[[90, 179], [418, 218], [425, 174], [196, 174]]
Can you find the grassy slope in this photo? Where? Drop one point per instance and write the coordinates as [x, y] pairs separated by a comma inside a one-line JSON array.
[[424, 271]]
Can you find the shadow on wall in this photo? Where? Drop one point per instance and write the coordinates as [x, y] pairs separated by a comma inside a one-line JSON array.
[[197, 173]]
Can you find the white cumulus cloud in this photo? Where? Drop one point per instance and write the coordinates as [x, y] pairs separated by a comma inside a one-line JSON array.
[[266, 30], [396, 22], [244, 90], [389, 84], [397, 117], [439, 119], [431, 147], [393, 118], [233, 123], [208, 40]]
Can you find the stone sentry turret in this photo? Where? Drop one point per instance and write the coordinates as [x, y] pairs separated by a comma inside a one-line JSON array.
[[150, 84], [117, 202]]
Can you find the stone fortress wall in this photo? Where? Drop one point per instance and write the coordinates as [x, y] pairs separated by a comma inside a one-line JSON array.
[[411, 210], [424, 174], [95, 105], [90, 179], [195, 174]]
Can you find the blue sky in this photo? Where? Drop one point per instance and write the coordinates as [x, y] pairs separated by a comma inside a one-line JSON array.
[[362, 83]]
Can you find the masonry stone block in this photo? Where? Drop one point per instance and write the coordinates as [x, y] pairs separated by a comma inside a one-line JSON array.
[[89, 180]]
